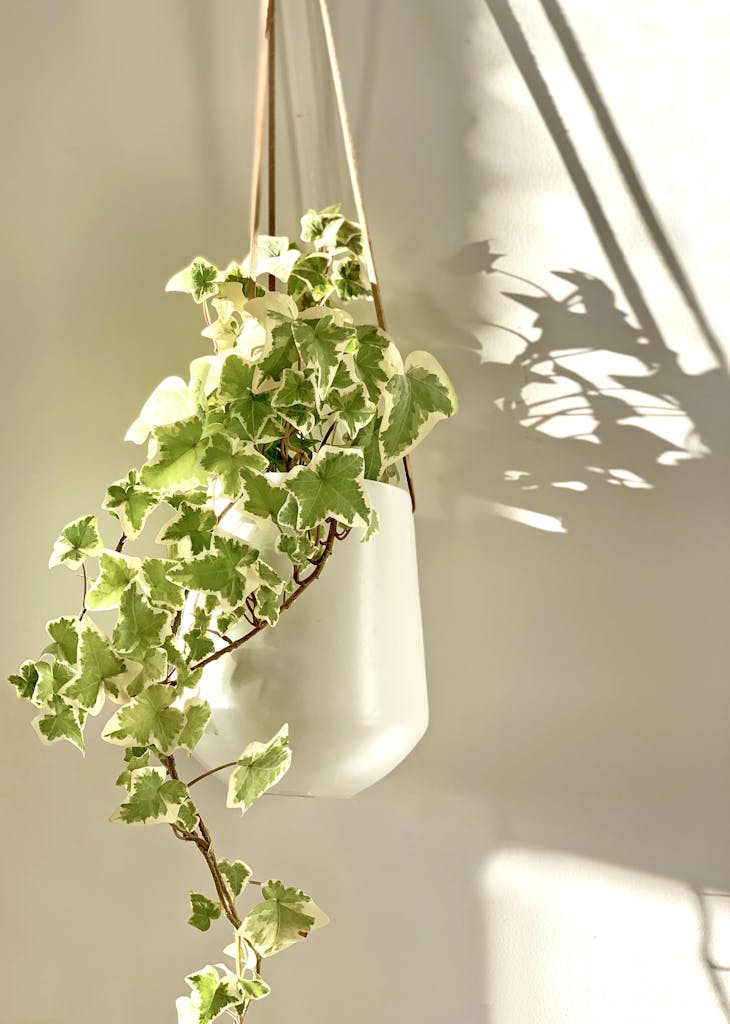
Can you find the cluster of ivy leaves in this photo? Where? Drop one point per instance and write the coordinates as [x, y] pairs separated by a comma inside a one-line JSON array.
[[281, 425]]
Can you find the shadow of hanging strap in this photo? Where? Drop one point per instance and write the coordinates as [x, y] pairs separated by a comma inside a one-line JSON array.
[[629, 172], [527, 65]]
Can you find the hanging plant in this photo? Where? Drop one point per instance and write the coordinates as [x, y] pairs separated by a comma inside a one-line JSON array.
[[295, 408]]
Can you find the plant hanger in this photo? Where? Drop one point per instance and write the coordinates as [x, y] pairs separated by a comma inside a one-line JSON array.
[[266, 85]]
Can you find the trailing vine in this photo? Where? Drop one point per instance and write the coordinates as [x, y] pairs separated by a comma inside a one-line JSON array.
[[281, 425]]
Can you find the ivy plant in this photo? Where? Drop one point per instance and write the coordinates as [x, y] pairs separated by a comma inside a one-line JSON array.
[[294, 408]]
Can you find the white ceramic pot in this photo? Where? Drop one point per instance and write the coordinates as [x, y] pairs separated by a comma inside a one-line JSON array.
[[344, 666]]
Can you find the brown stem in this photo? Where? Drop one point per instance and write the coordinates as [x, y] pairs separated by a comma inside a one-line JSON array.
[[120, 543], [86, 587], [314, 575], [324, 440], [212, 771]]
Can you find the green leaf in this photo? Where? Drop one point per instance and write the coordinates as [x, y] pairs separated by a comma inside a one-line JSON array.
[[321, 344], [299, 549], [261, 498], [284, 916], [329, 229], [331, 487], [236, 873], [177, 462], [152, 798], [160, 588], [184, 678], [204, 911], [258, 420], [224, 571], [130, 503], [147, 719], [296, 400], [259, 767], [78, 541], [415, 401], [227, 460], [117, 572], [98, 664], [198, 279], [192, 529], [197, 715], [62, 722], [64, 634], [138, 625], [254, 988]]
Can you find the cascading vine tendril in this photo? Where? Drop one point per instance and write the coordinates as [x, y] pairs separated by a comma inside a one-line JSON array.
[[297, 405]]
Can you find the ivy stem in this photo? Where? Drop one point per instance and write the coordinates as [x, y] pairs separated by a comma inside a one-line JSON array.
[[212, 771], [86, 587], [314, 575]]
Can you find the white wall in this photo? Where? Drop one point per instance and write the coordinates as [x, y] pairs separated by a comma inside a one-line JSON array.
[[534, 860]]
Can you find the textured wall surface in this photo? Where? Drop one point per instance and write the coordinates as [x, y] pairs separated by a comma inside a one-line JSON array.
[[534, 860]]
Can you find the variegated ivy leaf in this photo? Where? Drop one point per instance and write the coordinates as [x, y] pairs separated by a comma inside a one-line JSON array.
[[273, 256], [368, 441], [327, 228], [258, 421], [267, 605], [352, 407], [350, 279], [204, 911], [227, 459], [184, 677], [172, 400], [61, 722], [197, 638], [259, 767], [331, 486], [191, 529], [117, 572], [236, 378], [98, 668], [134, 758], [223, 332], [321, 344], [300, 550], [145, 665], [25, 680], [153, 798], [130, 503], [176, 466], [160, 589], [281, 354], [261, 498], [296, 400], [211, 995], [225, 571], [78, 541], [236, 874], [310, 276], [284, 916], [199, 279], [197, 716], [138, 625], [147, 719], [415, 401], [52, 678], [376, 359], [188, 818], [64, 634]]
